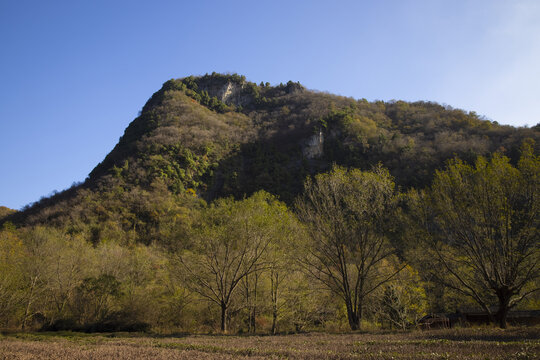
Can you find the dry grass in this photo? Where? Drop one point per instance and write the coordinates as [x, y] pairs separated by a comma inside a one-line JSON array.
[[516, 343]]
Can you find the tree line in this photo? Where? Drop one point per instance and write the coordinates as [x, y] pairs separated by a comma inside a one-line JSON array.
[[352, 251]]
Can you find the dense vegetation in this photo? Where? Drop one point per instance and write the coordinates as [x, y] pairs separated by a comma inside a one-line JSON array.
[[242, 207], [4, 211]]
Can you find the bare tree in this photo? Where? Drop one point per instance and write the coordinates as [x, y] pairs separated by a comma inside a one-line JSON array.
[[346, 213]]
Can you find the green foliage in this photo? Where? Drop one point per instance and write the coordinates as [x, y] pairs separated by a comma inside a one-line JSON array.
[[12, 254], [199, 141], [392, 305], [487, 219], [346, 213], [401, 303], [188, 146], [93, 298], [4, 211], [230, 244]]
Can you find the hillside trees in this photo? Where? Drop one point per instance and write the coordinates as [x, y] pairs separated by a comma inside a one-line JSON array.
[[40, 269], [482, 224], [64, 262], [229, 244], [12, 254], [4, 211], [188, 145], [346, 213]]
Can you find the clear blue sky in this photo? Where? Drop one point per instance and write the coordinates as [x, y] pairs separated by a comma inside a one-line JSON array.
[[73, 74]]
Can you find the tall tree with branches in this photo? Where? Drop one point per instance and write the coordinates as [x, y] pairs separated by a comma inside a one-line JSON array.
[[346, 213], [229, 245], [482, 224]]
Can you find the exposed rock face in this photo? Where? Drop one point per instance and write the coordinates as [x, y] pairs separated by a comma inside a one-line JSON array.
[[314, 146], [227, 92]]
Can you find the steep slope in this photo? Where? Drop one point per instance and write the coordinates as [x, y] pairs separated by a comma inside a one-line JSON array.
[[219, 135]]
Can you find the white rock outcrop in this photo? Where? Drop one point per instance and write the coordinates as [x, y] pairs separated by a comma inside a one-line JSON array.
[[314, 147]]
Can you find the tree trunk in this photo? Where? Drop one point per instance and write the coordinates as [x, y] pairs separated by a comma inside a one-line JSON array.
[[502, 313], [354, 322], [223, 317], [248, 302], [274, 277], [359, 315], [274, 319], [254, 306], [352, 315]]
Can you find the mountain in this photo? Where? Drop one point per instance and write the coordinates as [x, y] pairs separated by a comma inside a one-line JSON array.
[[200, 138]]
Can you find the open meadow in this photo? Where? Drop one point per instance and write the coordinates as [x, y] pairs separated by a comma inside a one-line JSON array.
[[466, 343]]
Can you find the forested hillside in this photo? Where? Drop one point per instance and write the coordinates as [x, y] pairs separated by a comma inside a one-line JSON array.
[[256, 185], [220, 135]]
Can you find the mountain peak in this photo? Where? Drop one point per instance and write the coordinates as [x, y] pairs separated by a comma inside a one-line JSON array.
[[234, 89]]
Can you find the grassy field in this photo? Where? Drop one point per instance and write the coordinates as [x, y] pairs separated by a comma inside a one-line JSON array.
[[516, 343]]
